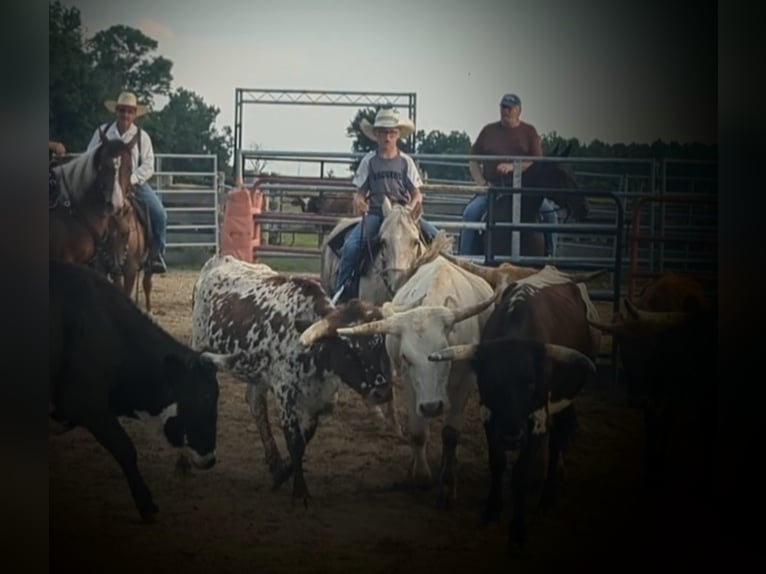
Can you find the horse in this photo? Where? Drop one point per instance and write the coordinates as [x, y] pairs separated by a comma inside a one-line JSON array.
[[548, 175], [385, 260], [84, 193], [129, 236], [132, 235]]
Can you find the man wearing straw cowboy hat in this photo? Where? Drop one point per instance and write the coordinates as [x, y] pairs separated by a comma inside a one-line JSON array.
[[127, 109], [385, 172]]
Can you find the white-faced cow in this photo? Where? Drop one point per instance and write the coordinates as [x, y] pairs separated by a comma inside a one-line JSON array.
[[668, 346], [439, 304], [108, 360], [285, 331], [535, 355]]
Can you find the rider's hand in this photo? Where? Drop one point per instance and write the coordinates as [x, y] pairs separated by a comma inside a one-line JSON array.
[[57, 148], [360, 203], [504, 167]]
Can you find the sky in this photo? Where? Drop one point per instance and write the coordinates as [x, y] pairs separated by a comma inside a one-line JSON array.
[[623, 71]]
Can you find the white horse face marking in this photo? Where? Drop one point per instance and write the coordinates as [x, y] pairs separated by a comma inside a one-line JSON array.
[[118, 197]]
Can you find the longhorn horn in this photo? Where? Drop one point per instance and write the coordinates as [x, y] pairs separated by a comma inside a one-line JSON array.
[[489, 274], [611, 328], [468, 312], [659, 318], [455, 353], [568, 355], [585, 277], [222, 361], [320, 329], [382, 326]]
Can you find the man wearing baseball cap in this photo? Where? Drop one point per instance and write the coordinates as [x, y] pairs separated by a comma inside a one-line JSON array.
[[508, 136]]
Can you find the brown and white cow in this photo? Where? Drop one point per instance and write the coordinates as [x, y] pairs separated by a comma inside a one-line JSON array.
[[285, 329], [535, 355], [667, 343]]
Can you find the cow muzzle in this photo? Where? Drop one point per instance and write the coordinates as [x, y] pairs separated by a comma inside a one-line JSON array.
[[432, 409]]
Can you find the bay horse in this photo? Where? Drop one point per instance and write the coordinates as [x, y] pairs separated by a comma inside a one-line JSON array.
[[129, 233], [541, 174], [84, 194]]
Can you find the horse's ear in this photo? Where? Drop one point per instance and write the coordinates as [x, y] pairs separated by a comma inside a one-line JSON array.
[[386, 207]]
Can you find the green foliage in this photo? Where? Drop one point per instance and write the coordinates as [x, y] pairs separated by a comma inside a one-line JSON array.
[[86, 72], [187, 125], [436, 142]]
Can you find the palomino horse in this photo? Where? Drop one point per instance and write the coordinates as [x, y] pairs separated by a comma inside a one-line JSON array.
[[398, 246], [85, 192], [546, 175]]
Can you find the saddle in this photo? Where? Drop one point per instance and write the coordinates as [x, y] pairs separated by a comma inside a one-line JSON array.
[[370, 248]]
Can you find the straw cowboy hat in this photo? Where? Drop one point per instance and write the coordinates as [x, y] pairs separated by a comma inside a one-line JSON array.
[[127, 99], [387, 118]]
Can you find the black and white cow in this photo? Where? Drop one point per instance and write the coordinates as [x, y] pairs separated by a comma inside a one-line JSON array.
[[108, 359], [535, 355], [284, 327]]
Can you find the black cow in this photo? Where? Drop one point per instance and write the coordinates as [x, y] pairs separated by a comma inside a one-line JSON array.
[[108, 359], [535, 355]]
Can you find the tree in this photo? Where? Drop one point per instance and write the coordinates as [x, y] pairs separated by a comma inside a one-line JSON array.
[[187, 125], [74, 94], [124, 60], [436, 142]]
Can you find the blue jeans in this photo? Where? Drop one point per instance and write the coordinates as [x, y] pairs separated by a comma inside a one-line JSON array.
[[549, 214], [157, 215], [476, 209], [351, 254]]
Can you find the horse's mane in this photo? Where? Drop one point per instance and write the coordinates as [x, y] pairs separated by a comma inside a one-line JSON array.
[[442, 242]]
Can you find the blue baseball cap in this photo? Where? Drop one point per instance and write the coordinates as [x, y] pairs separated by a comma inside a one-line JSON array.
[[510, 100]]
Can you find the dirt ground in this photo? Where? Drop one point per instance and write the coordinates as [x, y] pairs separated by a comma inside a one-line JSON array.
[[228, 519]]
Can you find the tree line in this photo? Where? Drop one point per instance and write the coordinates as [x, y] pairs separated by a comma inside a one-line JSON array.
[[86, 71]]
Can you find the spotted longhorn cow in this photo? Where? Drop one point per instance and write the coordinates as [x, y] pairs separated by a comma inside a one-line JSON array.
[[285, 332], [535, 355]]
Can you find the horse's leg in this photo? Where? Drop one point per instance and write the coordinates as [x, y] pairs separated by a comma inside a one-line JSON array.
[[147, 284]]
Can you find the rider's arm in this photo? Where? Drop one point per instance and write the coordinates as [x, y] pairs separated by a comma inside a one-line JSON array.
[[476, 174], [145, 169]]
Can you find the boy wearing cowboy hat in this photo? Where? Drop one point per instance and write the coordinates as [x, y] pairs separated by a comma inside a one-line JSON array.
[[127, 109], [386, 172]]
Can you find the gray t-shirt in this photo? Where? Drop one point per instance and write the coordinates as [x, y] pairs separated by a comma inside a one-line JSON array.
[[395, 178]]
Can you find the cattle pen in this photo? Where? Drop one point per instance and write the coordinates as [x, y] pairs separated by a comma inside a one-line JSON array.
[[645, 217], [360, 516]]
